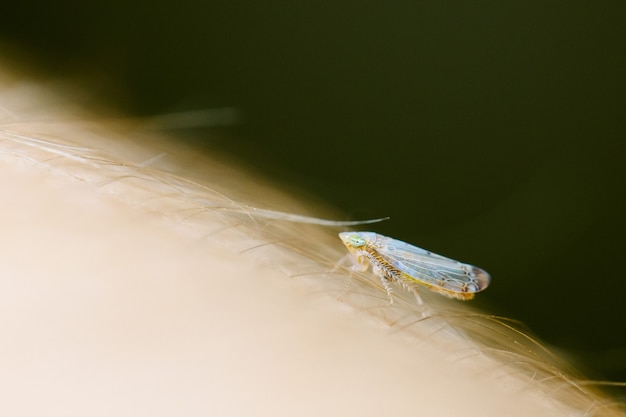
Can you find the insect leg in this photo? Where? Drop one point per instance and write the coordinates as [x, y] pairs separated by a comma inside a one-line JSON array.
[[355, 266], [387, 286], [342, 261], [346, 287], [418, 298]]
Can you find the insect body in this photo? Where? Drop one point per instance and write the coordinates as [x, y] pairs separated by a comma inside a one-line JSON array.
[[409, 266]]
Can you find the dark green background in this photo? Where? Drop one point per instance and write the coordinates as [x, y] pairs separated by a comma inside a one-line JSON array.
[[490, 131]]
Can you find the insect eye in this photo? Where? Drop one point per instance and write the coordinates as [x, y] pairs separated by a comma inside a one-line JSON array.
[[356, 241]]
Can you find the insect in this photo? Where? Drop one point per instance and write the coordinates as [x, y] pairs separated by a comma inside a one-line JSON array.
[[409, 266]]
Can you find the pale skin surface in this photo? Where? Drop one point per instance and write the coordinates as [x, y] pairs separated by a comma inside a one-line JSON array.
[[113, 306]]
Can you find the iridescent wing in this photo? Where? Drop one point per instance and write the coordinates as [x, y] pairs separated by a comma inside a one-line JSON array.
[[441, 274]]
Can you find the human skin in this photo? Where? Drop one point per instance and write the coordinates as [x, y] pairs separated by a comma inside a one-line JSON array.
[[132, 287]]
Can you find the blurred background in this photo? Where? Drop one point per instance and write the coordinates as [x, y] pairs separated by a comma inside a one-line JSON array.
[[491, 132]]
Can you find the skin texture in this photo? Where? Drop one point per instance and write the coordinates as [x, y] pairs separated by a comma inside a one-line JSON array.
[[123, 294]]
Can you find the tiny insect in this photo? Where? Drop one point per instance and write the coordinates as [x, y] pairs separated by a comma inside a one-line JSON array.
[[409, 266]]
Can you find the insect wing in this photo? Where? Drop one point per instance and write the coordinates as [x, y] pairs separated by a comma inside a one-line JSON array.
[[430, 268]]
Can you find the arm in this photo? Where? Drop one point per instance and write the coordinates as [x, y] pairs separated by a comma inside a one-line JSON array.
[[132, 290]]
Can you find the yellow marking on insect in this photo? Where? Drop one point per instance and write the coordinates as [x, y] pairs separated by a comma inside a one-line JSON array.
[[409, 266]]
